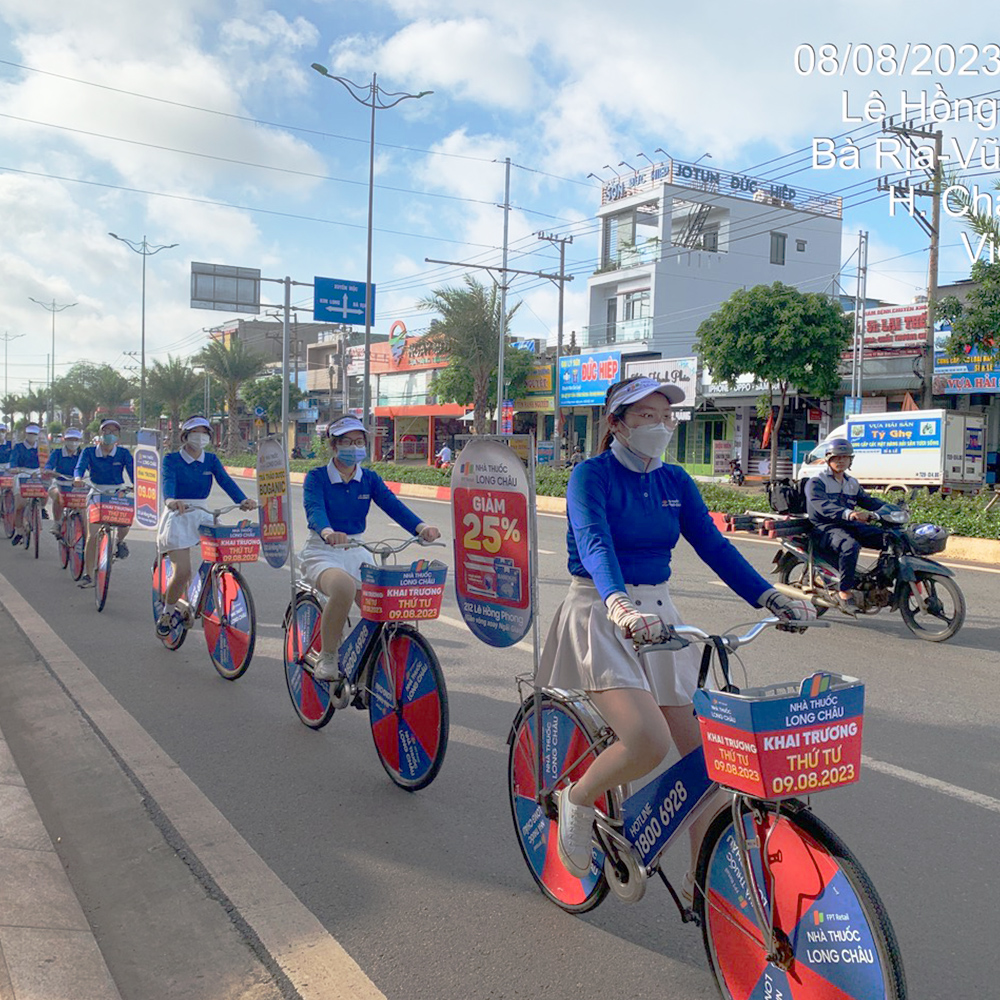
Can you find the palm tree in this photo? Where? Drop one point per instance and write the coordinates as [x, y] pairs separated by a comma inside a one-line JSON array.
[[36, 401], [172, 385], [469, 332], [110, 389], [232, 366], [10, 405]]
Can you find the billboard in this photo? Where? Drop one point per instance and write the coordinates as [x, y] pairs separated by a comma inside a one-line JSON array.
[[584, 379]]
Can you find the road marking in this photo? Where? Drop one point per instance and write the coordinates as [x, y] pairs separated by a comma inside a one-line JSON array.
[[315, 963], [934, 784], [475, 738]]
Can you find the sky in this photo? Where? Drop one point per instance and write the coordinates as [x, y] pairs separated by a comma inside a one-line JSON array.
[[201, 123]]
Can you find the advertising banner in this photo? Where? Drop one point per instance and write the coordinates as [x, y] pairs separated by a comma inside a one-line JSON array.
[[489, 489], [682, 372], [892, 435], [584, 379], [147, 479], [272, 496]]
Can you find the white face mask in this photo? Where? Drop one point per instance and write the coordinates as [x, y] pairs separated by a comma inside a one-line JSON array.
[[198, 441], [31, 440], [70, 445], [650, 440]]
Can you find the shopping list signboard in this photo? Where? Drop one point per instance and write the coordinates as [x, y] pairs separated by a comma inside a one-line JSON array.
[[272, 496], [489, 490], [147, 479]]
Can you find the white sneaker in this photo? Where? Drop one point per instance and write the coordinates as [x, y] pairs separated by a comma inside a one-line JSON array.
[[327, 668], [575, 841]]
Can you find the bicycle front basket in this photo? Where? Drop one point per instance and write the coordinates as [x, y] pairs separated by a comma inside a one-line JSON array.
[[402, 593], [225, 543], [786, 739], [111, 510], [33, 489], [74, 497]]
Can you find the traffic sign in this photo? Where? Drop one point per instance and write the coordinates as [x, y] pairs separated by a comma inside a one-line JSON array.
[[341, 300], [258, 411]]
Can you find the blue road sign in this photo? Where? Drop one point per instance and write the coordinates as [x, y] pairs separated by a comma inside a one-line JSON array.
[[340, 300], [258, 411]]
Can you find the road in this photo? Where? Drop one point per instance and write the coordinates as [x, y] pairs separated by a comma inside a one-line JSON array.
[[428, 893]]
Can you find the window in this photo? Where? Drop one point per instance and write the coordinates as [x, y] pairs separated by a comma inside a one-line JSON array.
[[636, 304], [800, 246], [611, 331], [778, 241], [710, 239]]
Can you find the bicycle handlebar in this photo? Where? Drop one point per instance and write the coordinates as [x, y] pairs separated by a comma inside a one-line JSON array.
[[686, 634], [216, 512], [385, 547]]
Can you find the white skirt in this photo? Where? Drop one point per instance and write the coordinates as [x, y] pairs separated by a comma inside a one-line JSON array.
[[316, 556], [584, 651], [180, 531]]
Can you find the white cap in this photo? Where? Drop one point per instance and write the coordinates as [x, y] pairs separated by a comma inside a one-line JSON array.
[[72, 434], [344, 426], [3, 427], [109, 422], [32, 429], [192, 422], [631, 392]]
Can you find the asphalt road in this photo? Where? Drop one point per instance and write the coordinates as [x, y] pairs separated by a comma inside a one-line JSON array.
[[428, 891]]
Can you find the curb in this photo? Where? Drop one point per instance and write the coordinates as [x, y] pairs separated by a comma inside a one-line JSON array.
[[959, 548]]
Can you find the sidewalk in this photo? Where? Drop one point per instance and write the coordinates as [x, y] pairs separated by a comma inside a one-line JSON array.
[[47, 948]]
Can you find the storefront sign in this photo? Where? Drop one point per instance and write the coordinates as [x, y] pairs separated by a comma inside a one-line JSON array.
[[489, 488], [893, 435], [539, 381], [682, 372], [956, 374], [535, 404], [722, 452], [272, 495], [894, 331], [584, 379], [147, 479]]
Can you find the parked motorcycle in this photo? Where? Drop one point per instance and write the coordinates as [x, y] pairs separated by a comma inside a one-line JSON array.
[[902, 579], [736, 476]]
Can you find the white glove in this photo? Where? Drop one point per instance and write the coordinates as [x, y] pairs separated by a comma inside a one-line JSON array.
[[788, 609], [633, 623]]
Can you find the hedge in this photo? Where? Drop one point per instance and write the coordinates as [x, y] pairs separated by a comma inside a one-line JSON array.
[[962, 515]]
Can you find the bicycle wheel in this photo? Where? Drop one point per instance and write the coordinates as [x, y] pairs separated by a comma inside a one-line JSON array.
[[161, 577], [408, 709], [102, 573], [63, 547], [76, 541], [310, 697], [842, 945], [36, 527], [571, 741], [27, 527], [945, 611], [795, 573], [7, 509], [230, 622]]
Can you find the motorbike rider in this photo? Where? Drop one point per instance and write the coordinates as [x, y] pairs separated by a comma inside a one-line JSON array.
[[840, 509]]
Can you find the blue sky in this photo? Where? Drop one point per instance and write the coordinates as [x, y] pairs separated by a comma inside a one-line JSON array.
[[200, 122]]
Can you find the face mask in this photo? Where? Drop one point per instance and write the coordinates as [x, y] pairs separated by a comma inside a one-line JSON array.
[[650, 440], [31, 440], [109, 439], [70, 445], [351, 454], [199, 441]]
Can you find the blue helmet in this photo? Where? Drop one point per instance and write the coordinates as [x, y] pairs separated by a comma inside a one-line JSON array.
[[837, 446]]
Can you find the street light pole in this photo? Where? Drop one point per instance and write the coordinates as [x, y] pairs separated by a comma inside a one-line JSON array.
[[7, 338], [53, 308], [369, 96], [147, 251]]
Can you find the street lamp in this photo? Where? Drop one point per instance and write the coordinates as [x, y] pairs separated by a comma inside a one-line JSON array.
[[53, 308], [700, 158], [369, 96], [147, 251], [7, 338]]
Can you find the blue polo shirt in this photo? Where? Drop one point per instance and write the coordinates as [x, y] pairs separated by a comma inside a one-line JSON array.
[[23, 457], [105, 470], [187, 478], [623, 526], [332, 503], [62, 463], [5, 449]]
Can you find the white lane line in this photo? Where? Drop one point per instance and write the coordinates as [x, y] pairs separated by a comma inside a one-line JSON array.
[[313, 960], [934, 784]]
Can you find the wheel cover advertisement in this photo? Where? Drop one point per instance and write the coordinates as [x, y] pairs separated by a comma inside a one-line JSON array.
[[489, 490], [147, 479], [272, 496]]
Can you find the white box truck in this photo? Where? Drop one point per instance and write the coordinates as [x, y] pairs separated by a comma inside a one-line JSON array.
[[941, 449]]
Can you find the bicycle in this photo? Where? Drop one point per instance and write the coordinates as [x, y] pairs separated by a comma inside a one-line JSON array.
[[388, 667], [71, 534], [785, 909], [218, 594], [108, 508], [7, 482], [29, 484]]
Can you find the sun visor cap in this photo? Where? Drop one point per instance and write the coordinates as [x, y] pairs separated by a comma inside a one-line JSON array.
[[194, 422], [105, 424], [32, 429], [640, 388], [345, 425], [73, 434]]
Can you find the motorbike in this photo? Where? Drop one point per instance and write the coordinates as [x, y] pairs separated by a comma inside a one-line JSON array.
[[736, 476], [904, 578]]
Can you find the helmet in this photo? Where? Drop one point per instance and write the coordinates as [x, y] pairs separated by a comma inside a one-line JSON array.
[[837, 446]]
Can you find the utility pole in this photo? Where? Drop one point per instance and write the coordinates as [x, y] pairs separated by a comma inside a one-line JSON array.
[[557, 426], [903, 191], [53, 308], [860, 296], [503, 294], [7, 338]]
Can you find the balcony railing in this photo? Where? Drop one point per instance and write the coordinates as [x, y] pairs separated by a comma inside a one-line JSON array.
[[647, 252], [623, 332]]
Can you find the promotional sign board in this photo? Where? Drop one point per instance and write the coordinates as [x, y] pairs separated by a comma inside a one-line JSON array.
[[957, 374], [584, 379], [682, 372], [147, 479], [489, 489], [722, 452], [43, 451], [272, 496]]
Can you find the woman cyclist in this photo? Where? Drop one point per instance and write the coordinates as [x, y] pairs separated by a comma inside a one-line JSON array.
[[5, 447], [24, 455], [62, 460], [626, 512], [188, 475], [337, 497]]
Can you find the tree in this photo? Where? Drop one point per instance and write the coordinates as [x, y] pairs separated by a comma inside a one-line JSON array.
[[454, 383], [75, 391], [232, 366], [975, 323], [34, 402], [783, 337], [266, 392], [109, 389], [171, 385], [469, 334]]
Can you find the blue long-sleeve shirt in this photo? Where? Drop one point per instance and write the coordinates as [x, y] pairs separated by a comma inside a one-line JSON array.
[[106, 470], [344, 506], [831, 502], [193, 480], [5, 449], [623, 527], [61, 462], [23, 457]]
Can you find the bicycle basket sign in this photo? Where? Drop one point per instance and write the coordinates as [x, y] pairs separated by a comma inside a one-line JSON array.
[[490, 515], [402, 593], [223, 543], [147, 479], [272, 496]]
